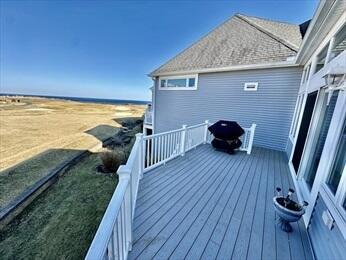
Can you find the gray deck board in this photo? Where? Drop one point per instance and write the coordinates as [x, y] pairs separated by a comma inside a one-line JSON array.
[[211, 205]]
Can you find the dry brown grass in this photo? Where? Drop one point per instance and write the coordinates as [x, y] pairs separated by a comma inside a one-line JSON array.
[[35, 125], [111, 160]]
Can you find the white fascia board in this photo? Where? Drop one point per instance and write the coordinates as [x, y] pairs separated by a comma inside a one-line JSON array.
[[230, 68]]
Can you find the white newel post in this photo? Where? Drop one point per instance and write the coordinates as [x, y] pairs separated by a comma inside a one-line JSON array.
[[125, 175], [139, 138], [206, 132], [252, 134], [183, 140]]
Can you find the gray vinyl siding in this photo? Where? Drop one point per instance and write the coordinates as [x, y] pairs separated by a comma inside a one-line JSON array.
[[222, 96], [327, 244]]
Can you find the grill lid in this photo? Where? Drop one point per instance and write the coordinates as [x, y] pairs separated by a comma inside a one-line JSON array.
[[226, 130]]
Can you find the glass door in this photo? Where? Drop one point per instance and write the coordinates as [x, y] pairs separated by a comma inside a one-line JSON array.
[[318, 130], [336, 180], [323, 120], [303, 130]]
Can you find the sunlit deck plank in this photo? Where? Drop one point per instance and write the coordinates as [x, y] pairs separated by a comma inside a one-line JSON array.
[[210, 205]]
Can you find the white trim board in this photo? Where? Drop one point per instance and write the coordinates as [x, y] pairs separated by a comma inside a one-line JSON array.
[[229, 68]]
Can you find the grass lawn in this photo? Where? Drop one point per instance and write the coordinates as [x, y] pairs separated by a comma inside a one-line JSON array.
[[29, 172], [61, 223]]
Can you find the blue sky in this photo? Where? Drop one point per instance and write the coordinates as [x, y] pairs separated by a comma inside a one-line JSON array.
[[105, 49]]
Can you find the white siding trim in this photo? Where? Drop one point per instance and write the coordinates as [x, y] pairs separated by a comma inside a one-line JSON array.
[[281, 64], [251, 86]]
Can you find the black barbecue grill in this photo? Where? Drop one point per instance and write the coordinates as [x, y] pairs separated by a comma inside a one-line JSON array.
[[226, 135]]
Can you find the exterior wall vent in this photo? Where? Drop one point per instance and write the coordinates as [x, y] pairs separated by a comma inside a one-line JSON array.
[[251, 86]]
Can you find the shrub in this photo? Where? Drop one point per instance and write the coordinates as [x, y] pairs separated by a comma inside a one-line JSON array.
[[118, 141], [111, 160]]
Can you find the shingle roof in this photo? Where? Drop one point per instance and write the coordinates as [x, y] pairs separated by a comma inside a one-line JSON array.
[[241, 40]]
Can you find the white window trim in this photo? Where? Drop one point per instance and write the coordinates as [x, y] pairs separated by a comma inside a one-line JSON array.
[[333, 203], [247, 84], [180, 77], [297, 116]]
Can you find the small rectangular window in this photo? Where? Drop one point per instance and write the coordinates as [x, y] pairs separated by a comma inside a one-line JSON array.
[[176, 83], [306, 77], [321, 59], [179, 82], [339, 43], [192, 82], [250, 86]]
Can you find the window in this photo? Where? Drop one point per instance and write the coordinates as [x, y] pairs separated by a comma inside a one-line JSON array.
[[338, 165], [321, 59], [296, 116], [320, 136], [339, 43], [303, 130], [251, 86], [179, 83], [306, 73], [176, 83], [192, 82], [163, 83]]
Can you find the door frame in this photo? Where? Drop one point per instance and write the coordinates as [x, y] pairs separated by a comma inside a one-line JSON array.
[[325, 166], [328, 152]]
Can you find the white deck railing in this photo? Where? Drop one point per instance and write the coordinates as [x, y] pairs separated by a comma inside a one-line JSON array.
[[113, 239], [247, 139], [160, 148]]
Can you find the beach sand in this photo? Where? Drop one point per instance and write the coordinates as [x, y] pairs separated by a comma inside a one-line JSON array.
[[35, 125]]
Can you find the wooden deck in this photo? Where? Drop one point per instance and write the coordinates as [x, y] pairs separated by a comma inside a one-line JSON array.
[[211, 205]]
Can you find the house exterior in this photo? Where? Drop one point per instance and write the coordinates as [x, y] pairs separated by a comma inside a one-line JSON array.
[[318, 131], [222, 69], [290, 81], [178, 198]]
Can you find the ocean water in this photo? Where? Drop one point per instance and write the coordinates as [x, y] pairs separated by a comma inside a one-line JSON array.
[[87, 100]]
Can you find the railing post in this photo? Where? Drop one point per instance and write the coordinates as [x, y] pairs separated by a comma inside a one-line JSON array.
[[183, 141], [139, 138], [252, 134], [206, 131], [125, 175]]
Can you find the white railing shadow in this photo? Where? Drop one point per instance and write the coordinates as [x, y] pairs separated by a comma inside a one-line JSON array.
[[113, 239]]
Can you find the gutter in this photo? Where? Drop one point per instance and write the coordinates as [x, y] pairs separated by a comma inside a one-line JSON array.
[[229, 68]]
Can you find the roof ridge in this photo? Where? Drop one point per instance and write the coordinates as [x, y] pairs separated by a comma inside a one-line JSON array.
[[266, 19], [267, 32]]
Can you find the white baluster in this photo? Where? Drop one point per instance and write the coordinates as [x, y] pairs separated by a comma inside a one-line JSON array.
[[183, 140]]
